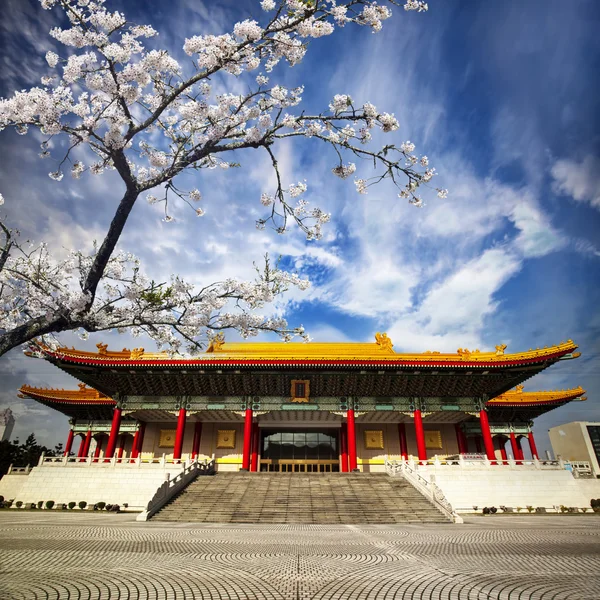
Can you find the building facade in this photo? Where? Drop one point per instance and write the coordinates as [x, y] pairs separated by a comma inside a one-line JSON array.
[[302, 407]]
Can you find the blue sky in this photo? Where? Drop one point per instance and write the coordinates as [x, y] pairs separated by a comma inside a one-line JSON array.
[[503, 98]]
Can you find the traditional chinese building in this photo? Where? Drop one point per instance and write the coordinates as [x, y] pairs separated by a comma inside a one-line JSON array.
[[318, 407]]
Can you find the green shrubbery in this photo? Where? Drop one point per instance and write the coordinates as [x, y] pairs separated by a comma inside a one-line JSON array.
[[82, 504], [50, 504], [72, 505]]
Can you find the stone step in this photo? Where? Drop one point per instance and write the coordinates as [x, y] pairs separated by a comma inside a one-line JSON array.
[[300, 498]]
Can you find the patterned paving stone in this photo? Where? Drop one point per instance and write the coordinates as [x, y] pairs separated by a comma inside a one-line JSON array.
[[90, 557]]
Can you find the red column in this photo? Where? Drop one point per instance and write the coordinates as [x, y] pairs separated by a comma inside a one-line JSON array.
[[460, 438], [121, 446], [247, 440], [487, 435], [88, 441], [196, 442], [134, 452], [520, 448], [534, 452], [138, 440], [81, 447], [98, 447], [114, 432], [344, 447], [402, 438], [352, 463], [254, 450], [515, 448], [179, 434], [421, 449], [69, 443]]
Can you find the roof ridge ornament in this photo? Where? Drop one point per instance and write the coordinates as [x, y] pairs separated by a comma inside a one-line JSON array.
[[500, 349], [216, 342], [384, 342]]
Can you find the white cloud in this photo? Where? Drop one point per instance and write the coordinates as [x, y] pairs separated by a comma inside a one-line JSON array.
[[580, 181]]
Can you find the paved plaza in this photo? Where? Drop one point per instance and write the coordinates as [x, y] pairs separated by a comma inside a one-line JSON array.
[[59, 556]]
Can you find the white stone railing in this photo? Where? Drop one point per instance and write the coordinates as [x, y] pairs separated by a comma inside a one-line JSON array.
[[483, 462], [90, 461], [581, 467], [171, 487], [408, 470], [18, 470]]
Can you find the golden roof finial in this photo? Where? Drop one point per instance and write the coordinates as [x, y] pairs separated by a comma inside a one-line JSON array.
[[500, 349], [137, 353], [216, 342], [384, 342]]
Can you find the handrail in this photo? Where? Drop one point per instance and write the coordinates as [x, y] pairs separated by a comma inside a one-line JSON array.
[[429, 489], [114, 461], [171, 487]]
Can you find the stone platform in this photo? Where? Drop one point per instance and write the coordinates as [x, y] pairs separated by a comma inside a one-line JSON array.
[[92, 556]]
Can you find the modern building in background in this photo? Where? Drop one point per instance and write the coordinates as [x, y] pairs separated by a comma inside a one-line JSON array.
[[578, 441], [7, 422]]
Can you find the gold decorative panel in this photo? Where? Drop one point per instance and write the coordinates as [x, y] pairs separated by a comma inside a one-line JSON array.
[[373, 440], [433, 439], [300, 390], [225, 439], [167, 438]]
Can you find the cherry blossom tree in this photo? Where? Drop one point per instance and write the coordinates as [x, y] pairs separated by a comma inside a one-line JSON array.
[[142, 114]]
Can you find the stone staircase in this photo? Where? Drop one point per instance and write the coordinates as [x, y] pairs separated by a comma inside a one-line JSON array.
[[339, 498]]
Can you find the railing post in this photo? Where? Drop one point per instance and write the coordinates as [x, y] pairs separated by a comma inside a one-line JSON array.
[[41, 461], [9, 469]]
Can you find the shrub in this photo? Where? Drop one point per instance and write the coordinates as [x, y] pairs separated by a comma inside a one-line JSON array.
[[82, 504], [125, 505], [8, 503], [40, 504], [529, 509], [563, 508], [1, 499], [19, 503], [486, 510], [493, 510], [101, 505], [584, 509], [595, 503], [72, 505], [519, 508], [114, 508], [50, 504]]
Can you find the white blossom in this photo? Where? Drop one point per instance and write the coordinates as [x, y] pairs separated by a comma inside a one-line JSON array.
[[344, 171], [195, 195], [388, 122], [51, 58], [267, 5], [361, 185], [1, 199], [407, 147], [340, 103], [297, 189]]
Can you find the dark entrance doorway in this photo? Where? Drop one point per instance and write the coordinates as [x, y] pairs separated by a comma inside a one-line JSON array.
[[299, 450]]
